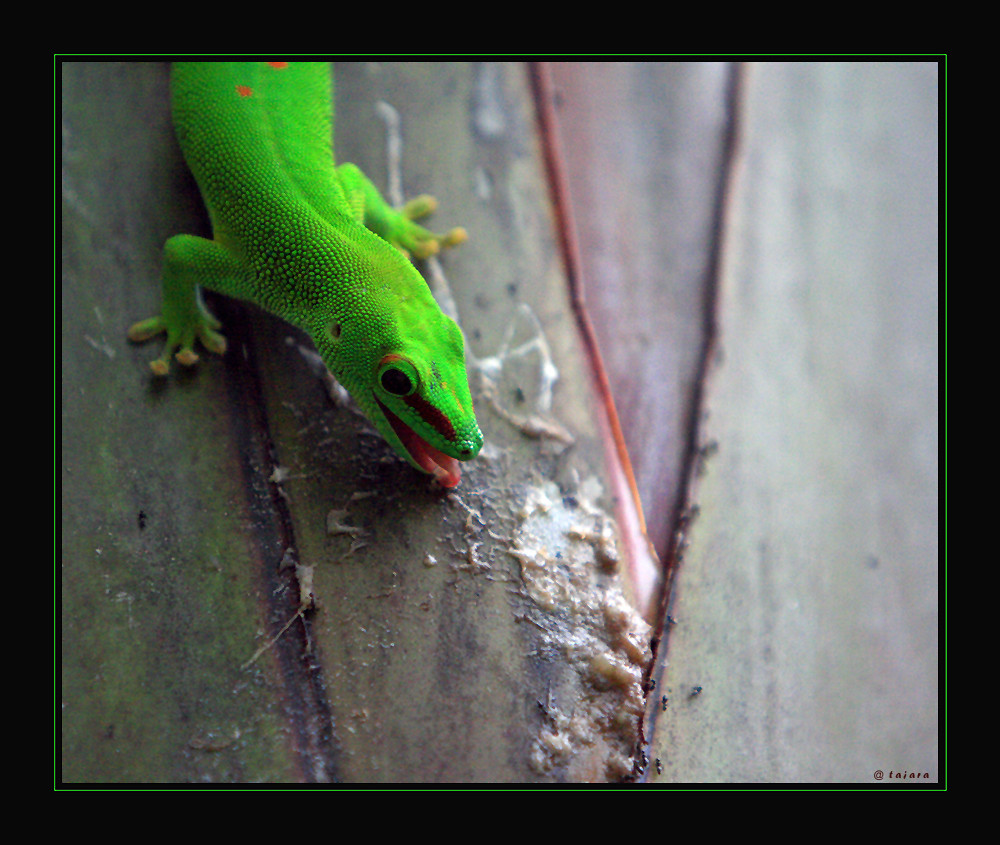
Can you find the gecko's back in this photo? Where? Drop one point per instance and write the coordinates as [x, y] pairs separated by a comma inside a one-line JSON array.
[[268, 137]]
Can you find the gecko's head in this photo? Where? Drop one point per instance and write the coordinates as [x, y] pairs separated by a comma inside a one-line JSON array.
[[407, 373]]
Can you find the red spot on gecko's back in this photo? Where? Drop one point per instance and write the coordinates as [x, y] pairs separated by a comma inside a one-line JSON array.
[[278, 65], [244, 90]]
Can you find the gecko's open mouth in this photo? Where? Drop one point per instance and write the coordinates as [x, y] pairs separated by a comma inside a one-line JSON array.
[[443, 467]]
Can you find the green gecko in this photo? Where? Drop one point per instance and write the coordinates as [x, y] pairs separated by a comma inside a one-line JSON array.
[[317, 245]]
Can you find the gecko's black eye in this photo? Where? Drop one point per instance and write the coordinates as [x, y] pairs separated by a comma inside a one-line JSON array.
[[396, 382], [397, 376]]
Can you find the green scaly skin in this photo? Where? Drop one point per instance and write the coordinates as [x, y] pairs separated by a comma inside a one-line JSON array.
[[317, 245]]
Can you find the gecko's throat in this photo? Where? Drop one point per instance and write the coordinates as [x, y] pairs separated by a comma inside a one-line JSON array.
[[443, 467]]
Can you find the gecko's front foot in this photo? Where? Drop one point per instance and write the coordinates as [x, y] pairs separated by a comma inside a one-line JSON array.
[[181, 335], [417, 240], [396, 225]]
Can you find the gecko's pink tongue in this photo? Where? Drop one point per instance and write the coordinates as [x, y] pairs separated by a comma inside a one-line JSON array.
[[444, 468]]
